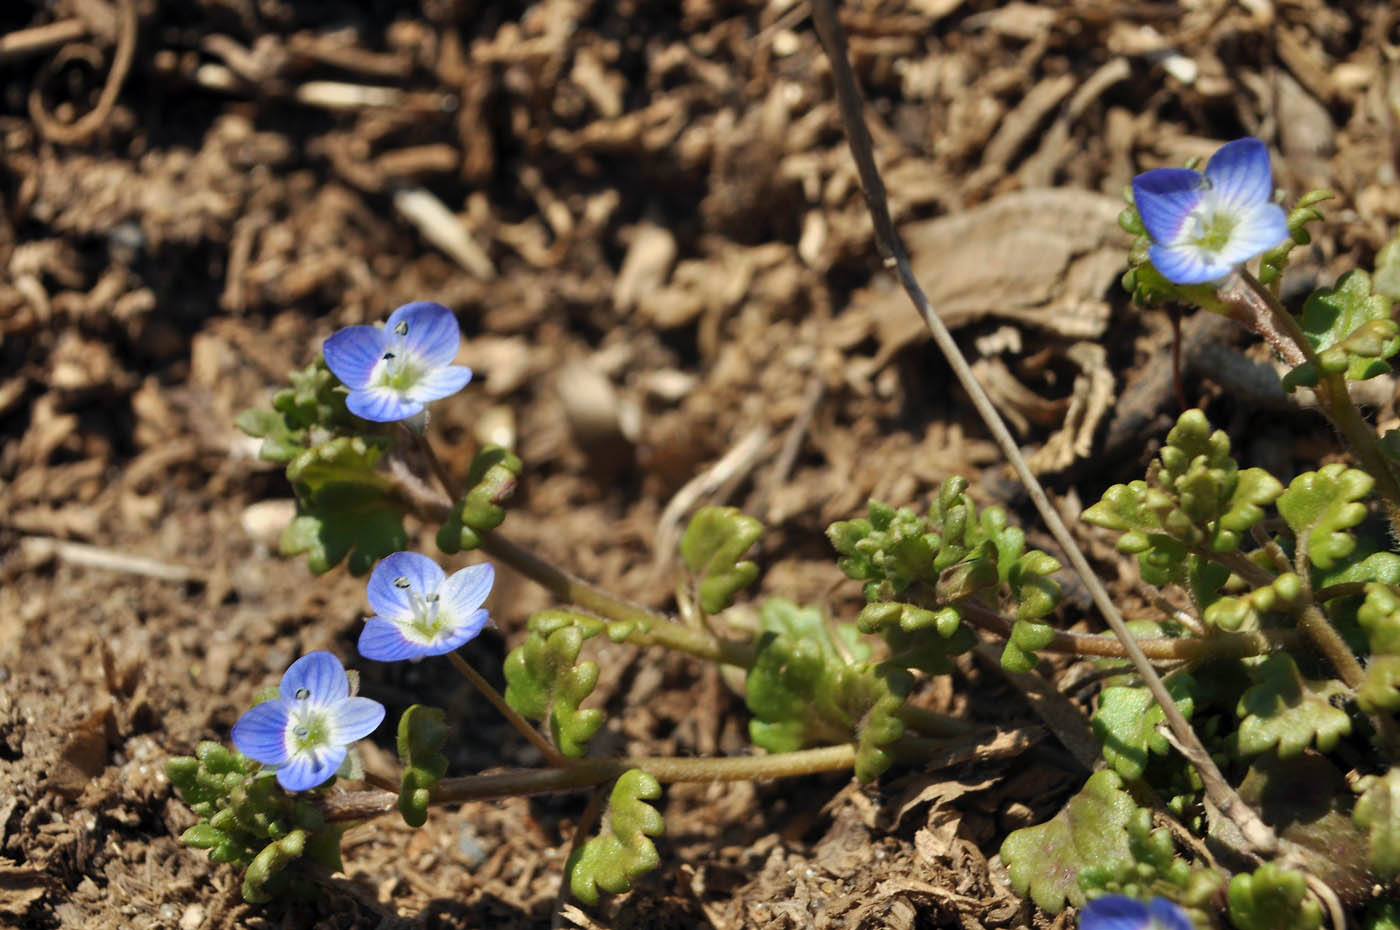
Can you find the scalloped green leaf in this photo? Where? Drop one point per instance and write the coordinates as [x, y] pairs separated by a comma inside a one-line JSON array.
[[357, 521], [1377, 812], [1045, 861], [421, 735], [1126, 723], [1284, 710], [802, 692], [1322, 506], [1350, 328], [1379, 616], [545, 680], [623, 850], [1154, 869], [712, 547], [1272, 898], [491, 481]]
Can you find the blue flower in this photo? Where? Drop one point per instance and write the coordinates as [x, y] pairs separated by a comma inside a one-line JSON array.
[[1204, 225], [304, 731], [420, 611], [392, 372], [1115, 912]]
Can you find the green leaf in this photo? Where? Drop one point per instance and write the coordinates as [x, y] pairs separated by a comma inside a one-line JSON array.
[[421, 736], [1272, 898], [1377, 812], [545, 680], [1379, 616], [712, 546], [341, 520], [1154, 869], [1321, 506], [1126, 722], [1045, 861], [258, 885], [802, 692], [1351, 330], [491, 481], [623, 850], [918, 638], [1285, 711]]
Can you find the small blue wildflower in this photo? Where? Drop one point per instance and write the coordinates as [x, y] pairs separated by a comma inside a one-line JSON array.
[[392, 372], [1204, 225], [1116, 912], [420, 611], [304, 732]]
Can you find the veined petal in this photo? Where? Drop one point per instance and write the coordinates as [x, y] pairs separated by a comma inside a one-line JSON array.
[[1167, 916], [1240, 175], [433, 334], [321, 674], [1114, 912], [467, 589], [355, 718], [420, 574], [1188, 264], [1258, 229], [383, 641], [462, 633], [352, 353], [437, 383], [310, 767], [1165, 198], [381, 405], [260, 734]]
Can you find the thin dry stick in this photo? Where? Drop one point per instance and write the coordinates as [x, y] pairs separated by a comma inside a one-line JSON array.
[[833, 40], [551, 755], [81, 129]]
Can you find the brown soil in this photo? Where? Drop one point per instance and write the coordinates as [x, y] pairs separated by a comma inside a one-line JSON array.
[[654, 238]]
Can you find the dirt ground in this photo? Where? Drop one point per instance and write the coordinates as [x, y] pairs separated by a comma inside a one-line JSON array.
[[646, 219]]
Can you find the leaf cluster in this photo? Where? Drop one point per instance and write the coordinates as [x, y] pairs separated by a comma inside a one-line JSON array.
[[491, 481], [1350, 329], [917, 569], [306, 413], [345, 508], [421, 735], [247, 820]]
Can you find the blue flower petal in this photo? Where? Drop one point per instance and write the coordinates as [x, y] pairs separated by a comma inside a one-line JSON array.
[[1187, 264], [321, 674], [1257, 230], [464, 632], [1168, 916], [433, 334], [1114, 912], [261, 733], [466, 590], [383, 641], [352, 353], [1239, 174], [392, 602], [381, 405], [355, 718], [439, 383], [1165, 198], [308, 769]]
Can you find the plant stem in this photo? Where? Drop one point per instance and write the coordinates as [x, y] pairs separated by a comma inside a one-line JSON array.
[[1160, 649], [444, 477], [1271, 317], [833, 40], [652, 628], [585, 773], [551, 755]]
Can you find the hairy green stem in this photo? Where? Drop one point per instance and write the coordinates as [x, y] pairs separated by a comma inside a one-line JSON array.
[[1159, 648], [585, 773]]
